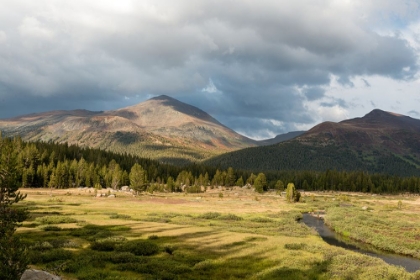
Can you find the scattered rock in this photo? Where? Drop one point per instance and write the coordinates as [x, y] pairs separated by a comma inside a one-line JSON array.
[[111, 196], [365, 208], [33, 274]]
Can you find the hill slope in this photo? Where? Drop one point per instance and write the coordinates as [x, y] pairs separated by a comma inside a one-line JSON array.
[[161, 128], [378, 142]]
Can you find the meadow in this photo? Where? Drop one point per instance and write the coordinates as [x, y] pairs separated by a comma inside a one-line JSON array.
[[220, 234]]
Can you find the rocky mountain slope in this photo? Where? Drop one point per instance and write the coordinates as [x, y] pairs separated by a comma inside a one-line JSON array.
[[161, 128]]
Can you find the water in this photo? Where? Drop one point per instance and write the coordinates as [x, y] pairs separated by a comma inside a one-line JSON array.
[[332, 238]]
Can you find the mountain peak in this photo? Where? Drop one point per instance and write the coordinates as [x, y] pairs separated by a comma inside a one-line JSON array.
[[377, 113], [171, 108], [163, 97]]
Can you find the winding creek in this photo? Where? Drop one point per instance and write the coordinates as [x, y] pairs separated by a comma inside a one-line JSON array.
[[332, 238]]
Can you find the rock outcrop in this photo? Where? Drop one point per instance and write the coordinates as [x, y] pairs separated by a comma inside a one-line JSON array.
[[33, 274]]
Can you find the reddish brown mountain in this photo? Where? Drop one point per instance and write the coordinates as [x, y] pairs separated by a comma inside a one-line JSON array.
[[380, 141], [377, 130]]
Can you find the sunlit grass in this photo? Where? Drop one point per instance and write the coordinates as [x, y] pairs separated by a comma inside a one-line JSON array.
[[197, 236]]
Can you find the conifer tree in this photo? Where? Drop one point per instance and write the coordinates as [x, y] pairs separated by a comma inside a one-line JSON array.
[[13, 257], [138, 178], [260, 183]]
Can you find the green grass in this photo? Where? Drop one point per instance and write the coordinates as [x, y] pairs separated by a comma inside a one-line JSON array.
[[384, 227], [173, 236]]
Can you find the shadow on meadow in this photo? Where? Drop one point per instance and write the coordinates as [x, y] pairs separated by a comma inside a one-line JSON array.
[[104, 252]]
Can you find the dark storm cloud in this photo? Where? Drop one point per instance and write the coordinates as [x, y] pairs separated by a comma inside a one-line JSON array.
[[314, 93], [334, 102], [253, 66]]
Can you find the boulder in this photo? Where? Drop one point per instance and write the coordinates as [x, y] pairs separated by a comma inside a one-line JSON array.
[[33, 274]]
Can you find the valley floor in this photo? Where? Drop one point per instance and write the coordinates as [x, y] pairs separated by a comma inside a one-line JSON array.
[[220, 234]]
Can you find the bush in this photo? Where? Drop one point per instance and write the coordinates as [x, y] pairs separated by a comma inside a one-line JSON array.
[[64, 243], [230, 217], [153, 237], [210, 215], [138, 247], [169, 250], [103, 245], [42, 246], [122, 257], [295, 246], [47, 220], [85, 260], [261, 220], [51, 228], [51, 256], [120, 216]]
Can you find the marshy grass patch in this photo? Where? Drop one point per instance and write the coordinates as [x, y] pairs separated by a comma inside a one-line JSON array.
[[234, 238], [47, 220]]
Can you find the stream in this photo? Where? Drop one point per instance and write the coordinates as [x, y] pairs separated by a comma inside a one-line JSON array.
[[332, 238]]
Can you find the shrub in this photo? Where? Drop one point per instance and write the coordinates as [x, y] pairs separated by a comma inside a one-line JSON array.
[[120, 216], [138, 247], [210, 215], [261, 220], [169, 250], [64, 243], [122, 257], [120, 228], [295, 246], [103, 245], [41, 246], [153, 237], [230, 217], [47, 220], [51, 228], [51, 256]]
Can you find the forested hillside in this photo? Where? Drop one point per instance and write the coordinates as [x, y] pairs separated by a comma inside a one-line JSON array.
[[379, 142], [52, 165], [297, 156]]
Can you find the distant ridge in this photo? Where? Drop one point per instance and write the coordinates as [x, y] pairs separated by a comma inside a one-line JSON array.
[[380, 141], [280, 138]]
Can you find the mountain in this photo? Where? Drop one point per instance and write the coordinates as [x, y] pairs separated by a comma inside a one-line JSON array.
[[377, 129], [160, 128], [380, 141], [280, 138]]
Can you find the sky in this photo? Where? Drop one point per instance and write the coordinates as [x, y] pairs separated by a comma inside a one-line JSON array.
[[262, 67]]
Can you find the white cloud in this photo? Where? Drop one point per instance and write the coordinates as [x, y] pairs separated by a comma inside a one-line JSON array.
[[32, 27], [3, 37], [210, 88]]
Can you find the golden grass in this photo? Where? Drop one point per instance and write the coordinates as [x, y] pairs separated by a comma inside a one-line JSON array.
[[221, 243]]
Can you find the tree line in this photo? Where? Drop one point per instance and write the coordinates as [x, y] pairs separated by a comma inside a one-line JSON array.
[[52, 165]]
